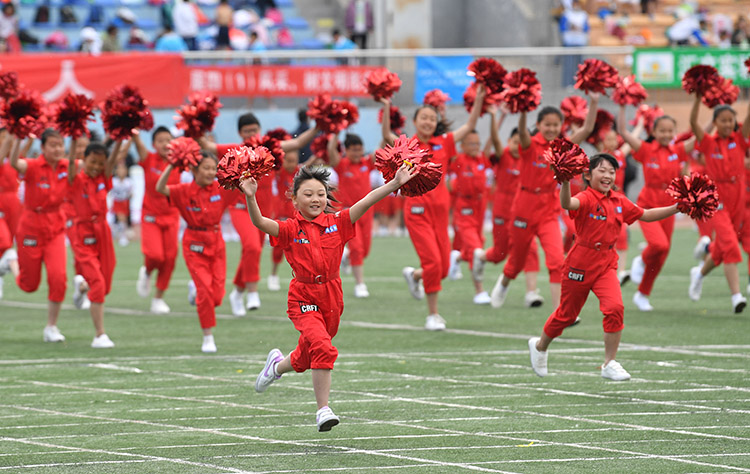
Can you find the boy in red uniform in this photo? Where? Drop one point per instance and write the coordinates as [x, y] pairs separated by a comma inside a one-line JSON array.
[[353, 170], [662, 161], [536, 207], [285, 210], [41, 228], [92, 244], [724, 157], [10, 210], [313, 242], [599, 213], [201, 203], [160, 223]]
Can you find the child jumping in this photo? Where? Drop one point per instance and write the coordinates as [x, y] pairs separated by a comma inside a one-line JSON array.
[[313, 242]]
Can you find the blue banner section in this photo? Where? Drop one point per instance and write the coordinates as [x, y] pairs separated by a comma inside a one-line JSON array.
[[445, 73]]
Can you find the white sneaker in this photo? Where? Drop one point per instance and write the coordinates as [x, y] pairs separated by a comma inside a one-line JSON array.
[[273, 283], [268, 375], [482, 298], [533, 299], [192, 292], [253, 300], [614, 371], [237, 303], [477, 264], [326, 419], [538, 359], [102, 342], [86, 303], [637, 269], [454, 272], [346, 266], [208, 346], [701, 248], [623, 276], [738, 302], [8, 256], [498, 294], [52, 334], [641, 302], [696, 284], [159, 306], [360, 291], [435, 323], [415, 287], [143, 284], [78, 294]]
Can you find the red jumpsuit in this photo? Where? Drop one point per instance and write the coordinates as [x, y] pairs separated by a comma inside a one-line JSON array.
[[745, 231], [469, 184], [285, 207], [92, 238], [202, 243], [725, 164], [591, 265], [660, 165], [10, 206], [160, 223], [354, 184], [426, 218], [536, 209], [315, 302], [41, 228]]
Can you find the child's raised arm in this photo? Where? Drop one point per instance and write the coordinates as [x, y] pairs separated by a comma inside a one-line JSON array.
[[140, 147], [523, 132], [113, 159], [658, 213], [495, 124], [161, 185], [269, 226], [588, 125], [566, 200], [19, 164], [72, 162], [388, 136], [697, 130], [334, 157], [300, 141], [476, 111], [403, 175], [622, 129]]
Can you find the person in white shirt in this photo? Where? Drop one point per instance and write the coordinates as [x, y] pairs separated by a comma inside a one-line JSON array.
[[185, 22]]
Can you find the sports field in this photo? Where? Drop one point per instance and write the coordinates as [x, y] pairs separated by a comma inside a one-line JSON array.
[[410, 401]]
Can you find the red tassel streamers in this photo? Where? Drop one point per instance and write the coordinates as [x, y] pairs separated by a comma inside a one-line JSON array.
[[8, 84], [567, 159], [389, 159], [523, 92], [700, 78], [695, 195], [723, 93], [489, 72], [125, 110], [574, 109], [197, 117], [649, 114], [21, 112], [470, 96], [595, 75], [332, 116], [436, 98], [603, 124], [184, 153], [279, 134], [242, 163], [629, 92], [382, 83], [72, 114], [397, 119]]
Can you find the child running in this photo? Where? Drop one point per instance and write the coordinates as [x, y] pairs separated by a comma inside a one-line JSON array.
[[10, 211], [599, 213], [313, 242]]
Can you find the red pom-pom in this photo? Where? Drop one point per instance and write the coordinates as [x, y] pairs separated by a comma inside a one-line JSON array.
[[574, 109], [125, 110], [747, 65], [389, 159], [198, 116], [22, 112], [184, 153], [489, 72], [242, 163], [649, 115], [603, 124], [470, 96], [332, 116], [319, 147], [695, 195], [629, 92], [382, 83], [523, 92], [722, 93], [567, 159], [72, 114], [272, 144], [279, 134], [595, 75], [436, 98], [43, 121], [700, 78], [8, 84], [397, 119]]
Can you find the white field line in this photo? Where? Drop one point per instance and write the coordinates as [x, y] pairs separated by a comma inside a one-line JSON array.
[[63, 464]]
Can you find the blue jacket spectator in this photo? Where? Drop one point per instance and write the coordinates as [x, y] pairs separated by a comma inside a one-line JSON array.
[[170, 42]]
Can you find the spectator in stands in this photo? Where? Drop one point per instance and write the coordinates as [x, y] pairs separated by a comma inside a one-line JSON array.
[[263, 5], [256, 46], [339, 41], [91, 42], [185, 22], [304, 125], [138, 39], [111, 40], [741, 33], [359, 21], [687, 30], [224, 13], [649, 7], [574, 31], [170, 42], [9, 29]]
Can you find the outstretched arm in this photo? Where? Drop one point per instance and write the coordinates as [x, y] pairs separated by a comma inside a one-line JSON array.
[[334, 157], [588, 125], [161, 185], [630, 139], [403, 175], [658, 213], [269, 226], [494, 141], [19, 164], [697, 130], [523, 132], [476, 110], [141, 147], [114, 157], [388, 136], [300, 141], [72, 162], [566, 201]]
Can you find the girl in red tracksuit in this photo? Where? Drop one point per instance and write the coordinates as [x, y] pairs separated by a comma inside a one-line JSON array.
[[724, 157], [313, 242], [536, 207], [92, 237], [599, 213], [662, 161], [201, 203], [427, 216], [10, 211], [284, 210]]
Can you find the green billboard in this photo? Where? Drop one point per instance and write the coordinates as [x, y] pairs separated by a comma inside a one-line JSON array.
[[664, 68]]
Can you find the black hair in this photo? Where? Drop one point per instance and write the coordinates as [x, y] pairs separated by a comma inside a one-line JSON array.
[[443, 125], [49, 133], [651, 136], [318, 173], [95, 148], [302, 116], [247, 119], [94, 136], [513, 132], [352, 140], [594, 163], [207, 156], [335, 32], [721, 108], [547, 111], [159, 129]]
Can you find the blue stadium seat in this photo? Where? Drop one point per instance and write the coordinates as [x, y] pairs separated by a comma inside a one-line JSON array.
[[297, 23], [284, 3]]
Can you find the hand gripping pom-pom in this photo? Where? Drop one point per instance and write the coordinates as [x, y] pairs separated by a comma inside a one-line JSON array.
[[695, 195], [239, 164], [629, 92], [523, 92], [436, 98], [389, 159], [272, 144], [574, 109], [603, 124], [489, 72], [332, 116], [184, 153], [595, 75], [8, 84], [722, 93], [470, 96], [125, 110], [319, 147], [71, 115], [567, 159], [382, 83], [700, 78], [649, 115], [397, 119], [197, 117], [21, 113]]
